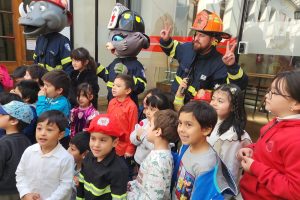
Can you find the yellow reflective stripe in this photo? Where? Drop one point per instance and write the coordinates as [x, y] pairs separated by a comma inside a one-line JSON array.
[[172, 54], [237, 76], [192, 90], [169, 46], [178, 100], [66, 60], [110, 84], [140, 80], [99, 69], [227, 80], [78, 198], [49, 68], [34, 56], [122, 197], [178, 79], [106, 71], [96, 191], [80, 178]]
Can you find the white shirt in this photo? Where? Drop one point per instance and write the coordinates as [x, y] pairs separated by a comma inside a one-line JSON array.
[[49, 175]]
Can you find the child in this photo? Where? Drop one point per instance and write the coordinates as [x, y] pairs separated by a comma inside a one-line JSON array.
[[53, 95], [35, 72], [271, 165], [84, 72], [142, 107], [154, 177], [138, 137], [18, 74], [28, 91], [104, 175], [82, 115], [197, 168], [78, 148], [46, 168], [14, 117], [6, 97], [125, 111], [228, 135]]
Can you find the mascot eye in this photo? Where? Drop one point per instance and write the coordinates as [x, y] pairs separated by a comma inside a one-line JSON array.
[[42, 8], [118, 38]]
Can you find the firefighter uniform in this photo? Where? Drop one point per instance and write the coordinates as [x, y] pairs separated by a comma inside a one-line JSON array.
[[135, 69], [53, 52]]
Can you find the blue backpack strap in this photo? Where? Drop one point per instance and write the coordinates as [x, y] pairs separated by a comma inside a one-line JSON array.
[[177, 158]]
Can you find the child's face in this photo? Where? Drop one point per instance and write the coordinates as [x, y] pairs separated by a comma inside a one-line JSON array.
[[150, 131], [119, 88], [189, 129], [75, 153], [84, 101], [78, 65], [150, 111], [51, 91], [4, 121], [279, 103], [221, 103], [48, 135], [101, 145]]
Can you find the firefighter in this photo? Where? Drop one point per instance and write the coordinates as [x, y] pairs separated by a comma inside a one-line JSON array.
[[45, 19], [201, 66]]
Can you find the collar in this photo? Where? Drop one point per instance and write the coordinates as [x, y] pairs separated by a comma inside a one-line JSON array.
[[56, 152], [108, 159], [290, 117]]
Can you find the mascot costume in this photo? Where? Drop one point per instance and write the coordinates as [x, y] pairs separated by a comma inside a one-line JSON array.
[[45, 19], [127, 39]]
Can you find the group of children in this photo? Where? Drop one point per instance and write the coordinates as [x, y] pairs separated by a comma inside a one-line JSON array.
[[121, 155]]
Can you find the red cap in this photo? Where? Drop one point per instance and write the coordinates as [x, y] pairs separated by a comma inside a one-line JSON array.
[[106, 124]]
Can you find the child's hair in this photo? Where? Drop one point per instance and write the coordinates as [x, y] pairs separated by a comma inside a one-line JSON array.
[[159, 101], [153, 91], [84, 88], [170, 96], [237, 117], [54, 117], [83, 55], [37, 72], [6, 97], [167, 121], [81, 141], [204, 113], [29, 90], [129, 83], [19, 72], [59, 79], [291, 83]]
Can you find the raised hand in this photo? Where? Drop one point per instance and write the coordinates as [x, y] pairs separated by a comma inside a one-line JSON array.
[[229, 57], [165, 33]]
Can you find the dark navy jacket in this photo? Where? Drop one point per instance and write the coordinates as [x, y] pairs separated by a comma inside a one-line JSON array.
[[53, 51], [204, 71], [135, 69]]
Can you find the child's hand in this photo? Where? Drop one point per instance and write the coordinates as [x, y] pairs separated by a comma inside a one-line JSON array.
[[244, 152], [76, 181], [42, 92], [246, 163], [139, 132], [128, 186], [128, 155]]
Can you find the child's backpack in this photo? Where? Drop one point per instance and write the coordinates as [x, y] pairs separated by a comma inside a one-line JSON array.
[[6, 80]]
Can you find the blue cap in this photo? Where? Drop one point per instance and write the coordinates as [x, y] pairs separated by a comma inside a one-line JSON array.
[[18, 110]]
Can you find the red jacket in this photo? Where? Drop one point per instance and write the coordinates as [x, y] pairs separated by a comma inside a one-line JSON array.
[[127, 114], [275, 172]]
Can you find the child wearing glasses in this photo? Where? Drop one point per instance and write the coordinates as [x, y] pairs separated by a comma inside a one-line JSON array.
[[271, 165]]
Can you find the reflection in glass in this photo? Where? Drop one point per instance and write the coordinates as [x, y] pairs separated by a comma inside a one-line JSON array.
[[6, 24]]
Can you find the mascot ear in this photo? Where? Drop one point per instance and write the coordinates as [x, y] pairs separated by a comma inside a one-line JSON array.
[[146, 42]]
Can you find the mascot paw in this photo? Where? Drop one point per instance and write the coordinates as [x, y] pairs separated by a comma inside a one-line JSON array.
[[120, 69]]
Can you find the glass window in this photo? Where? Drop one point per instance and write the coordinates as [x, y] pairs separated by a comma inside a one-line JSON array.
[[7, 39]]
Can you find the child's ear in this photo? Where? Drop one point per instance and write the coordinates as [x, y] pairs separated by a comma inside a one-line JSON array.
[[296, 107], [86, 62], [128, 91], [91, 96], [206, 131], [60, 90], [115, 142], [61, 135], [13, 121], [158, 132]]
